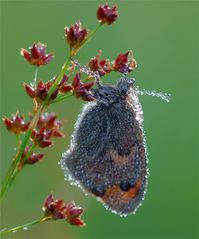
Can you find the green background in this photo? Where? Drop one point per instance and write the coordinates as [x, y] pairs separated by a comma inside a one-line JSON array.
[[163, 36]]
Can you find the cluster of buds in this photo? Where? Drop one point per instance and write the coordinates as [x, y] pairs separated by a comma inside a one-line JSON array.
[[77, 88], [57, 209], [81, 89], [107, 14], [37, 55], [124, 63], [47, 127], [16, 123], [103, 67], [29, 158], [41, 91], [76, 36]]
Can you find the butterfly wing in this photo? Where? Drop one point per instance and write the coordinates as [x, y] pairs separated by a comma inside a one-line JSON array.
[[126, 149], [107, 156]]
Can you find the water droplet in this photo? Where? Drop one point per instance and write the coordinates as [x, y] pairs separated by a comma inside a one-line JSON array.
[[163, 96], [26, 228]]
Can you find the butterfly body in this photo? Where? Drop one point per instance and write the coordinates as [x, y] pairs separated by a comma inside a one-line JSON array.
[[107, 156]]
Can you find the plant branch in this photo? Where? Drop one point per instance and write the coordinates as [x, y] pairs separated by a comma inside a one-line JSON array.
[[12, 169], [24, 226]]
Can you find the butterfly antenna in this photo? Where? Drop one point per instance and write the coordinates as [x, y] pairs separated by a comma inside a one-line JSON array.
[[163, 96]]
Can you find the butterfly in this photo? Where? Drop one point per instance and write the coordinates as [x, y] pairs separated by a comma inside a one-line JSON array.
[[108, 156]]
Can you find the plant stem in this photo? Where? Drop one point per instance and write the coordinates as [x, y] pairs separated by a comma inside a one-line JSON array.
[[17, 141], [35, 77], [24, 226], [88, 39], [93, 33], [17, 170], [11, 171], [62, 97], [57, 80]]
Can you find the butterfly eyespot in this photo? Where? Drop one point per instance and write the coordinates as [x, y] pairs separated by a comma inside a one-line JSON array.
[[99, 191], [125, 186]]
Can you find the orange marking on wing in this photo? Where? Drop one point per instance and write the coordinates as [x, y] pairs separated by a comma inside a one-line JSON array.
[[113, 191], [116, 192], [132, 192]]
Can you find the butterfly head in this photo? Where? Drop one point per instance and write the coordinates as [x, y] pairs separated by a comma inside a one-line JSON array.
[[109, 94]]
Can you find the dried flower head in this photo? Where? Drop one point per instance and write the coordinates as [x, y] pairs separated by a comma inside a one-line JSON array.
[[49, 122], [41, 91], [37, 55], [16, 123], [73, 214], [81, 89], [63, 86], [41, 138], [107, 14], [76, 36], [34, 158], [54, 208], [124, 63], [102, 66], [29, 158], [57, 209]]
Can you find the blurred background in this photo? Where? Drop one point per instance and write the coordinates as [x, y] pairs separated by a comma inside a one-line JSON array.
[[163, 36]]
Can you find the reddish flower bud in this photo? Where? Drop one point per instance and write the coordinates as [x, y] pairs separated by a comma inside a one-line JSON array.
[[49, 122], [29, 158], [41, 91], [34, 158], [82, 90], [76, 36], [30, 90], [65, 89], [77, 222], [57, 209], [124, 63], [37, 55], [106, 14], [16, 123], [74, 214], [41, 137], [63, 86], [102, 66], [54, 208]]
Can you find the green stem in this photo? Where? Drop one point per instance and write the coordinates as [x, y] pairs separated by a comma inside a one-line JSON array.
[[15, 173], [57, 80], [17, 170], [62, 97], [17, 140], [35, 77], [93, 33], [24, 226], [30, 151], [11, 170]]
